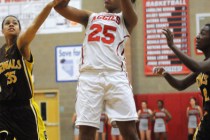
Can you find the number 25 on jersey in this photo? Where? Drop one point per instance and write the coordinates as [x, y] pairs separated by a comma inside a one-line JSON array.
[[108, 33]]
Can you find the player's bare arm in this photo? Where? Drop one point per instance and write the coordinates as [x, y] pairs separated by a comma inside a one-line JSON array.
[[73, 14], [179, 84], [139, 112], [169, 117], [193, 65], [200, 112], [187, 111], [26, 37], [151, 114], [129, 14]]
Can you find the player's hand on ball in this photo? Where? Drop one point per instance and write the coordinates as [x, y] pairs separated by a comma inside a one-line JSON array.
[[159, 71]]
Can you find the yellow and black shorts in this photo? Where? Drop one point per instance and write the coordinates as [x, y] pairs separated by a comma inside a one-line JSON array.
[[21, 120], [203, 130]]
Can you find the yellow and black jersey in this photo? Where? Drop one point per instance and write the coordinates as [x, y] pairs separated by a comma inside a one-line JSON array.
[[203, 81], [15, 75]]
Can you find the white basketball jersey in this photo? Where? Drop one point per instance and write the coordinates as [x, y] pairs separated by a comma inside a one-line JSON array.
[[104, 43]]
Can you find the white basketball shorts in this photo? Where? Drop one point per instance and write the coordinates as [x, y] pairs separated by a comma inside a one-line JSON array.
[[109, 89]]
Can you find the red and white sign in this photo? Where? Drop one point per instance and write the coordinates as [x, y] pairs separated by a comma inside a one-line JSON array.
[[173, 14]]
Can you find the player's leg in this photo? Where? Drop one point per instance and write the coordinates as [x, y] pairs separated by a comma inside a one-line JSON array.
[[114, 137], [76, 137], [157, 136], [190, 133], [120, 105], [128, 130], [148, 134], [103, 136], [120, 137], [202, 132], [97, 135], [89, 104], [87, 132], [27, 122], [164, 135], [142, 135], [6, 123]]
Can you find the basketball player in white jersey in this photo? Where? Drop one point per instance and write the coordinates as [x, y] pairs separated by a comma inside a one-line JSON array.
[[103, 77]]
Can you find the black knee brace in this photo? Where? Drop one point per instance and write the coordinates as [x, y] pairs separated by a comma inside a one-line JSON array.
[[5, 135], [190, 136]]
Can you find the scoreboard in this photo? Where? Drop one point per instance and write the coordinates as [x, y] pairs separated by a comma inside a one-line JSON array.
[[159, 14]]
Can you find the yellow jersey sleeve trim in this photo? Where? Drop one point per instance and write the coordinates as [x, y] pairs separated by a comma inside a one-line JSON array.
[[30, 63]]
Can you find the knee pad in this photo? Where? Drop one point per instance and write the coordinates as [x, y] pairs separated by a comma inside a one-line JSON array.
[[3, 135]]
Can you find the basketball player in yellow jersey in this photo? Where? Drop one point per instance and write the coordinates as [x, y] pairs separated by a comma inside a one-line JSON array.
[[103, 79], [19, 114], [201, 70]]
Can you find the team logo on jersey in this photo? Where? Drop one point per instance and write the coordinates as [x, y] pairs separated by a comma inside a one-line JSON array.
[[10, 64], [107, 17]]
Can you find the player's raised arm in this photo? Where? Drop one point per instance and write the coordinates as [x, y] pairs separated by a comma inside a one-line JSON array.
[[71, 13], [192, 64], [129, 14], [26, 37], [179, 84]]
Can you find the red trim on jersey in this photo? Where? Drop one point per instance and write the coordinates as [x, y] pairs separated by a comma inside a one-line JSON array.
[[126, 36], [122, 66], [123, 52], [119, 46], [123, 49]]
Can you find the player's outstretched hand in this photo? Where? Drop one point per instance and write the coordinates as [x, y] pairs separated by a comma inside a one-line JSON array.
[[56, 2], [61, 3], [159, 71], [169, 36]]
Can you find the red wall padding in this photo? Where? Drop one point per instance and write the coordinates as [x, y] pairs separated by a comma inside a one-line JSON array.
[[176, 104]]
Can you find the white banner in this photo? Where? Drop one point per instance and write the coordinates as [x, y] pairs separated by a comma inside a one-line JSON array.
[[27, 10], [67, 60]]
